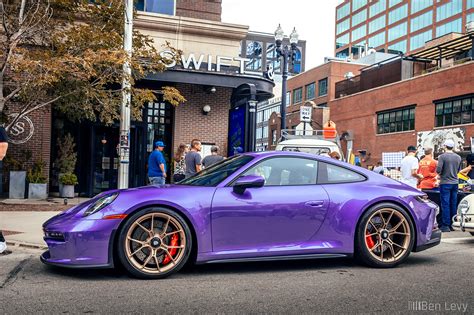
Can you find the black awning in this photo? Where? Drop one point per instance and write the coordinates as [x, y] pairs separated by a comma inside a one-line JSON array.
[[264, 87]]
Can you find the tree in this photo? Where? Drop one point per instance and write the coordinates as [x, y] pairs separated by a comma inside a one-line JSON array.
[[69, 54]]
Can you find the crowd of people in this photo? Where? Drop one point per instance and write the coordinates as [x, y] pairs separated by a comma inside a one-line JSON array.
[[442, 175], [187, 161]]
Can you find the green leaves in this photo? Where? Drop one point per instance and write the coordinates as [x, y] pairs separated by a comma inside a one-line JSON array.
[[69, 53]]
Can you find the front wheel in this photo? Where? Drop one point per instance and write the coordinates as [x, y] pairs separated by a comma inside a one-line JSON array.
[[385, 236], [154, 243]]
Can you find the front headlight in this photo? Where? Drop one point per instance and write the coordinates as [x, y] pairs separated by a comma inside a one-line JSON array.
[[100, 203], [423, 198], [463, 207]]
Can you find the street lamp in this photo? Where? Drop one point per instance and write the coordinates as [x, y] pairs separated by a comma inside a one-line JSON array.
[[288, 53]]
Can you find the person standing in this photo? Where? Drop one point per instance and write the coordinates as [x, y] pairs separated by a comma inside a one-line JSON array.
[[213, 158], [193, 159], [427, 168], [3, 152], [409, 168], [379, 169], [449, 164], [179, 163], [157, 165]]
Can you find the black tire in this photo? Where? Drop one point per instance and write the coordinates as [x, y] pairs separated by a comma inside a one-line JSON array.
[[128, 264], [472, 233], [361, 249]]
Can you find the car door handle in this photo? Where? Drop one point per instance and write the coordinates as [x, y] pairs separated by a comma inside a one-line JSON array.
[[315, 203]]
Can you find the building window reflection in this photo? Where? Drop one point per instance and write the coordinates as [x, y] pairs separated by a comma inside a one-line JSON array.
[[273, 59], [254, 53], [157, 6]]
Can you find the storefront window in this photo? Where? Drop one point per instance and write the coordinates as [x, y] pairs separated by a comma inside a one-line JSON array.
[[254, 53], [157, 6], [454, 112], [158, 123], [396, 120]]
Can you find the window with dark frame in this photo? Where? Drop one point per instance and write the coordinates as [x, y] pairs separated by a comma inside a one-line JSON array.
[[310, 91], [455, 111], [323, 87], [401, 119], [297, 95]]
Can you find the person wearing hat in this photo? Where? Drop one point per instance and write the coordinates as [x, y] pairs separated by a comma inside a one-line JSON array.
[[449, 164], [157, 165], [409, 168]]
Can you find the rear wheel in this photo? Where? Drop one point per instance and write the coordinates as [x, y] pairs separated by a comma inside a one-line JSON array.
[[154, 243], [385, 236]]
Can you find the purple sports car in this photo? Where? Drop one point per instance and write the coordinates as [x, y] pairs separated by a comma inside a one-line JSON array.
[[256, 206]]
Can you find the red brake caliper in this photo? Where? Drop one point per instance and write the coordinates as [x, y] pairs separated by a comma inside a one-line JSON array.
[[173, 242], [368, 239]]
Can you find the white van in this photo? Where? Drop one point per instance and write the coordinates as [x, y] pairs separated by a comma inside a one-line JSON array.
[[314, 144]]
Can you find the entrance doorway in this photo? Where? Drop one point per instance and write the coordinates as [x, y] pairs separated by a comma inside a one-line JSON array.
[[105, 160]]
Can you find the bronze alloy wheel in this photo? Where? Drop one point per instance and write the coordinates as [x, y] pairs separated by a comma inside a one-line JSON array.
[[155, 243], [387, 235]]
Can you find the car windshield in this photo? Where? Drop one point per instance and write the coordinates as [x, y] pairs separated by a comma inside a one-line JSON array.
[[215, 174]]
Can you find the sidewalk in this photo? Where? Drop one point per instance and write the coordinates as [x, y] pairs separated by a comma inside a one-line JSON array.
[[21, 220]]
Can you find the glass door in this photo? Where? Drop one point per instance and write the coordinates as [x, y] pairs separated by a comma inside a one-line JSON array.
[[105, 159]]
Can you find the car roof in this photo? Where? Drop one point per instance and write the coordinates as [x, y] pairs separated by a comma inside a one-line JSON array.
[[310, 142]]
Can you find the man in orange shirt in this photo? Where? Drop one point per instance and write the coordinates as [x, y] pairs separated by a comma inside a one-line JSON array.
[[427, 168]]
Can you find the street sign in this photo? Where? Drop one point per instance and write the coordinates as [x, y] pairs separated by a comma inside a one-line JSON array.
[[305, 113]]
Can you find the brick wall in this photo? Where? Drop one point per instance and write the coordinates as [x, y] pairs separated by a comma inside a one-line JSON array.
[[39, 144], [200, 9], [191, 123], [358, 112]]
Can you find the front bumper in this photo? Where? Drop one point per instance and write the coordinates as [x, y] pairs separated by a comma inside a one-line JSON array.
[[464, 223], [435, 240], [76, 242]]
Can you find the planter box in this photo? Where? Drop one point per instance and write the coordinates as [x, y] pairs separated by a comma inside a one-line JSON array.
[[38, 191], [67, 191], [17, 185]]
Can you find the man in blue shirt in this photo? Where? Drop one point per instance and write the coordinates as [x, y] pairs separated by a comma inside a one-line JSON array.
[[157, 165]]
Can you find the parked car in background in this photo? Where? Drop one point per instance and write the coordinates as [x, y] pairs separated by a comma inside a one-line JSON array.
[[464, 220]]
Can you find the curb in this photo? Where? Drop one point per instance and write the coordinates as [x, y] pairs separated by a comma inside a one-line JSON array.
[[26, 245]]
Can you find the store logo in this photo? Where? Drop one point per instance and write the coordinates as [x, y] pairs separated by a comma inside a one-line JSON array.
[[213, 64], [21, 131]]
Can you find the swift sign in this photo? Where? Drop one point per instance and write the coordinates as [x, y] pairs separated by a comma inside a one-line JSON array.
[[204, 62]]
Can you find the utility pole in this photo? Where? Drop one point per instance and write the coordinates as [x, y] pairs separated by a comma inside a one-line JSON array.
[[124, 142]]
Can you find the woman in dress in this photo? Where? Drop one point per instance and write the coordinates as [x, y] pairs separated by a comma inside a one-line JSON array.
[[179, 163]]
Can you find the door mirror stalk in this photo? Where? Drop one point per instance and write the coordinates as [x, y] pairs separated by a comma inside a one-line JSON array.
[[249, 181]]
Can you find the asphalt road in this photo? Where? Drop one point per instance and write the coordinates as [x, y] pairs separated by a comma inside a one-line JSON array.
[[440, 278]]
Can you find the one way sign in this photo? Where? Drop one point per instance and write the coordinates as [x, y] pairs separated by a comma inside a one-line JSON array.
[[305, 113]]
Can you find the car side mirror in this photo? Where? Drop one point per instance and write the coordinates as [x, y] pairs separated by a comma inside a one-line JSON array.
[[249, 181]]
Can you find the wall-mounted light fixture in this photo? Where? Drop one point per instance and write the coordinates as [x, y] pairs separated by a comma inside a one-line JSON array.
[[206, 109]]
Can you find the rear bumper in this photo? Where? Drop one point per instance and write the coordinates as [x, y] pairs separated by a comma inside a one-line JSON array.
[[434, 240]]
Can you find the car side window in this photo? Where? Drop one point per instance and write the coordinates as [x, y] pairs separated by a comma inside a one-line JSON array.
[[333, 174], [286, 171]]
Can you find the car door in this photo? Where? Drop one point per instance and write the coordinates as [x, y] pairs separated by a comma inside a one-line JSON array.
[[287, 211]]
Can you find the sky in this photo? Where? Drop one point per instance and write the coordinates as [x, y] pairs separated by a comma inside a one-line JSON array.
[[314, 21]]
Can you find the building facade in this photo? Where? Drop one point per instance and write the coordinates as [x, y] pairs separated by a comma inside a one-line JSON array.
[[397, 26], [315, 87], [408, 102], [212, 77]]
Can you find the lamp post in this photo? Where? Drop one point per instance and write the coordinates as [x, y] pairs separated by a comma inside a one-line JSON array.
[[288, 52]]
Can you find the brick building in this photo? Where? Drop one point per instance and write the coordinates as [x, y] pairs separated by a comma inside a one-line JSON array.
[[316, 86], [397, 26], [212, 76], [420, 100]]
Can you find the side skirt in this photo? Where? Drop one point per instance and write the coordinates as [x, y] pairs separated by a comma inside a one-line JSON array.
[[274, 258]]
